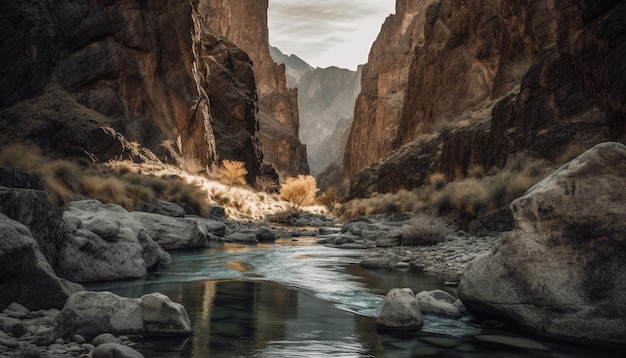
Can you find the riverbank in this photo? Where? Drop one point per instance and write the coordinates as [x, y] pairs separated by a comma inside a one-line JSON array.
[[448, 258]]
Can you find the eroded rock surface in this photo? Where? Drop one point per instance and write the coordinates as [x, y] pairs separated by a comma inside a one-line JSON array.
[[560, 271], [90, 314], [26, 277]]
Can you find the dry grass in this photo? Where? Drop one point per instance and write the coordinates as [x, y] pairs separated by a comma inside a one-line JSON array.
[[466, 198], [424, 230]]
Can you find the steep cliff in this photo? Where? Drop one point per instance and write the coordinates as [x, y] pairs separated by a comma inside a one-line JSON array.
[[517, 78], [326, 96], [111, 79], [71, 68], [245, 23], [384, 81]]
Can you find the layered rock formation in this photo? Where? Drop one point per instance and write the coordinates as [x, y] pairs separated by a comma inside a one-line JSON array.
[[559, 272], [72, 68], [525, 78], [383, 87], [128, 79], [245, 23]]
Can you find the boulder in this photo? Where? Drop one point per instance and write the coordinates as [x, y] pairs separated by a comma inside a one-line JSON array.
[[439, 303], [33, 209], [26, 276], [115, 350], [388, 260], [172, 233], [90, 314], [560, 272], [105, 242], [400, 311], [162, 208]]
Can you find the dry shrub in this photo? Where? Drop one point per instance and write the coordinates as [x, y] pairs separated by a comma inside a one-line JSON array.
[[300, 190], [329, 198], [232, 172], [121, 184], [438, 180], [424, 230]]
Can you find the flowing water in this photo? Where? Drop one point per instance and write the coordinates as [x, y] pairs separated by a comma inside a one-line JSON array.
[[299, 299]]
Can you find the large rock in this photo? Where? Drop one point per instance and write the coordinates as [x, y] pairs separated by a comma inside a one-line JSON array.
[[173, 233], [560, 272], [90, 314], [25, 275], [115, 350], [400, 311], [33, 209], [104, 243]]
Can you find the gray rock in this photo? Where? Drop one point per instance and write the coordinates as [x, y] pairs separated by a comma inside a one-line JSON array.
[[243, 236], [400, 311], [162, 208], [90, 314], [173, 233], [9, 342], [25, 274], [388, 260], [209, 226], [78, 339], [105, 338], [43, 336], [16, 310], [33, 209], [14, 326], [115, 350], [87, 256], [265, 234], [439, 303], [559, 273]]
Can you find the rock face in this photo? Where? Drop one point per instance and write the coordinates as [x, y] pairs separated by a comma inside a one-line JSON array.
[[245, 23], [25, 275], [526, 77], [384, 83], [127, 79], [560, 271], [90, 314], [295, 67], [82, 67]]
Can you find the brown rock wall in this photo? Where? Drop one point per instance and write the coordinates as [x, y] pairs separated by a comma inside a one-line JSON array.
[[535, 94], [245, 23]]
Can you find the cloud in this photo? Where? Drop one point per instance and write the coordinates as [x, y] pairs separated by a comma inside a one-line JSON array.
[[327, 32]]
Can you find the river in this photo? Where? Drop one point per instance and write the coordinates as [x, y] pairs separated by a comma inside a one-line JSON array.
[[300, 299]]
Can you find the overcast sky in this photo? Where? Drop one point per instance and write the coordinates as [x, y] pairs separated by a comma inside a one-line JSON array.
[[327, 32]]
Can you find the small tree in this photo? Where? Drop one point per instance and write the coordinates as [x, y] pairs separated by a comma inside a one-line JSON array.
[[299, 190], [232, 172]]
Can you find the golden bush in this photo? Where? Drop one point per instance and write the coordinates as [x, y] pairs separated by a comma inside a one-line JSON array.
[[232, 172], [300, 190]]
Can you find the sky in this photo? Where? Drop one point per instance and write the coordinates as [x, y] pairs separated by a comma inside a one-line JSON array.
[[327, 32]]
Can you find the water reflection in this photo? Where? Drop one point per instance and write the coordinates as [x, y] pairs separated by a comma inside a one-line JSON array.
[[295, 299]]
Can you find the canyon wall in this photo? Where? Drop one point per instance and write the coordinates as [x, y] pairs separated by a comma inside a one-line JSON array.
[[245, 23], [527, 78], [384, 80], [140, 80]]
